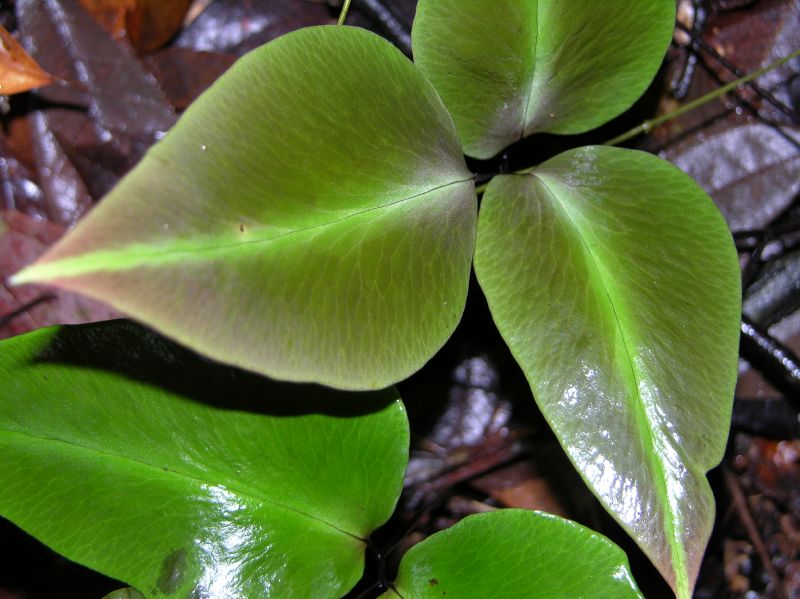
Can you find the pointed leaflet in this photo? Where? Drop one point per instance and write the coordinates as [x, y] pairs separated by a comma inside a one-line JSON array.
[[614, 281], [137, 458], [514, 554], [509, 68], [310, 218], [18, 71]]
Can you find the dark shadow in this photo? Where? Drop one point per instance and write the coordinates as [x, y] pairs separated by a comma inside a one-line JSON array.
[[28, 103], [34, 571], [136, 352], [539, 147]]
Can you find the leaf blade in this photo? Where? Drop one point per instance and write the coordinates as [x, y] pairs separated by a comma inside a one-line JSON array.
[[509, 69], [620, 300], [200, 492], [345, 178], [515, 553]]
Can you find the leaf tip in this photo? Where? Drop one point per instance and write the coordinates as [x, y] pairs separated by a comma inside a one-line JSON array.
[[25, 276], [43, 270]]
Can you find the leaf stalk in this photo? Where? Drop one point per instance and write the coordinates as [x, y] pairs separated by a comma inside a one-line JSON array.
[[343, 14], [649, 125]]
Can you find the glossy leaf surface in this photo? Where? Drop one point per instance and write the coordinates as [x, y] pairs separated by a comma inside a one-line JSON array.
[[135, 457], [509, 68], [615, 282], [514, 554], [310, 218]]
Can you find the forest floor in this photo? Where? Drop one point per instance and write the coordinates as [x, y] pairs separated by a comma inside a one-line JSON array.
[[479, 442]]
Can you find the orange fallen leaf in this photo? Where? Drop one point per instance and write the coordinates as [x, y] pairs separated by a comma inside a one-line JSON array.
[[111, 14], [18, 71], [158, 22], [148, 24]]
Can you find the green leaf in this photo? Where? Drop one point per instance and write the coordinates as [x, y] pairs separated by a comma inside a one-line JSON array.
[[141, 460], [509, 68], [125, 594], [514, 553], [615, 282], [310, 218]]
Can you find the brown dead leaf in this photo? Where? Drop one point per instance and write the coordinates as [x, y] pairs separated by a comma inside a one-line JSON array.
[[157, 21], [18, 71], [65, 195], [22, 240], [750, 170], [184, 74], [520, 485], [115, 111], [19, 187], [147, 24], [111, 14], [42, 182], [238, 26]]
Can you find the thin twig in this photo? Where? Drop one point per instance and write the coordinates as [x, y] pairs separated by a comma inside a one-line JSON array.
[[680, 85], [737, 72], [751, 269], [743, 510], [397, 32], [744, 103], [6, 320], [465, 471], [769, 355], [773, 231], [523, 171], [649, 125]]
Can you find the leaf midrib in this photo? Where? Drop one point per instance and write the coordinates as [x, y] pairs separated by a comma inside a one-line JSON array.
[[679, 560], [343, 218], [248, 494], [132, 256], [532, 78]]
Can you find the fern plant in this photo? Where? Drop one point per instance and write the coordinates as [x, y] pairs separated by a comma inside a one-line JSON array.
[[311, 219]]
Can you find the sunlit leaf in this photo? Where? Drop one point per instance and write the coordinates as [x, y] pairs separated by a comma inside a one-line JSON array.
[[310, 218], [509, 68], [135, 457], [514, 554], [615, 282]]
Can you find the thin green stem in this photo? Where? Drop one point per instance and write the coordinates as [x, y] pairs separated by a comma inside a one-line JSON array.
[[343, 14], [647, 126], [479, 189]]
